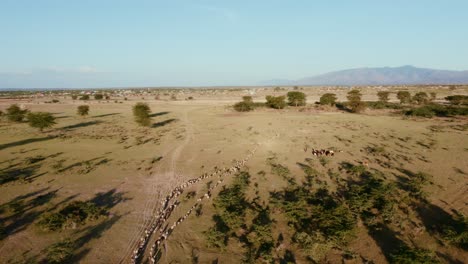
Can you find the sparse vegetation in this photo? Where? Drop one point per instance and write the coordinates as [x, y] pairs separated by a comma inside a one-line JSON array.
[[296, 98], [15, 114], [354, 101], [421, 98], [404, 97], [328, 99], [83, 110], [41, 120], [277, 102], [383, 96], [457, 99], [141, 112]]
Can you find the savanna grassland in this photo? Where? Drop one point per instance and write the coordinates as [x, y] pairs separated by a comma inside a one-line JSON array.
[[85, 189]]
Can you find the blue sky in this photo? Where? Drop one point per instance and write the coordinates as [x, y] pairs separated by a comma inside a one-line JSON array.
[[116, 43]]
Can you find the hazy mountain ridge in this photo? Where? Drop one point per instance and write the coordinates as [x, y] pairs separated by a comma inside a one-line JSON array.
[[382, 76]]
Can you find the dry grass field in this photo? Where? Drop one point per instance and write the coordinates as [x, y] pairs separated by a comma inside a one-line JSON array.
[[127, 170]]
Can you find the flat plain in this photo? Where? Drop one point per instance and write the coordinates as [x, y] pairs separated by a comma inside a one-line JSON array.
[[127, 170]]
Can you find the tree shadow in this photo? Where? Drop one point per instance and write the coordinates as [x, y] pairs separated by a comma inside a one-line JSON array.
[[158, 114], [25, 141], [109, 199], [163, 123], [80, 163], [288, 257], [104, 115], [61, 117], [19, 173], [83, 124], [386, 239]]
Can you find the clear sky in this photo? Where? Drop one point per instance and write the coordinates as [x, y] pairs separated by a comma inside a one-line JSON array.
[[110, 43]]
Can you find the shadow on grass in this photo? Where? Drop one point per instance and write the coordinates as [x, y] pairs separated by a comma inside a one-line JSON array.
[[83, 124], [163, 123], [24, 142], [158, 114], [104, 115]]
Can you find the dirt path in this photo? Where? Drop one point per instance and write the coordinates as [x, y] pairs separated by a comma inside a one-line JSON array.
[[163, 181]]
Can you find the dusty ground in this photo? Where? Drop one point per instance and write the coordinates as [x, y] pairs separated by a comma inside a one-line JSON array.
[[128, 169]]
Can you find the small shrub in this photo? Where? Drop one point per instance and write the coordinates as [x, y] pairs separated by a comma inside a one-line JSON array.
[[141, 111], [406, 255], [457, 233], [457, 99], [84, 97], [383, 96], [296, 98], [98, 96], [74, 97], [60, 252], [328, 99], [404, 97], [243, 106], [15, 113], [277, 102], [421, 98], [83, 110], [41, 120], [354, 101], [55, 101]]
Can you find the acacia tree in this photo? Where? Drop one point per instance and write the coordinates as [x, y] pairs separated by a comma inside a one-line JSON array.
[[328, 99], [41, 120], [404, 97], [383, 96], [83, 110], [15, 113], [98, 96], [277, 102], [421, 98], [354, 101], [141, 111], [84, 97], [296, 98]]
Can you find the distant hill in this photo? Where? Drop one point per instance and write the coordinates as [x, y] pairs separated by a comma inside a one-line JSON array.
[[382, 76]]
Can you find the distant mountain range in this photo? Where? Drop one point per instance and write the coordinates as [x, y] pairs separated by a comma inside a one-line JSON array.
[[380, 76]]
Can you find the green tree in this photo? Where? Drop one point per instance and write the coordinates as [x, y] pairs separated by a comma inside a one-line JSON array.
[[457, 99], [354, 101], [404, 97], [98, 96], [421, 98], [433, 96], [277, 102], [243, 106], [141, 111], [328, 99], [296, 98], [83, 110], [15, 113], [41, 120], [383, 96], [84, 97], [74, 96]]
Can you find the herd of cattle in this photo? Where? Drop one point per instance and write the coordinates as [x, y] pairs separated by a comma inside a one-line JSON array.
[[159, 224]]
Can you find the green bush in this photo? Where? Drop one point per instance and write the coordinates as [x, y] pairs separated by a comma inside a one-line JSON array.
[[296, 98], [383, 96], [354, 101], [84, 97], [141, 112], [60, 252], [74, 97], [406, 255], [404, 97], [41, 120], [98, 96], [243, 106], [383, 105], [15, 113], [75, 213], [277, 102], [328, 99], [83, 110], [457, 233], [432, 110], [457, 99], [421, 98]]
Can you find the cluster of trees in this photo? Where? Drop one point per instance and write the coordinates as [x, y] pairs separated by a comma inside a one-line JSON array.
[[75, 213], [86, 97]]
